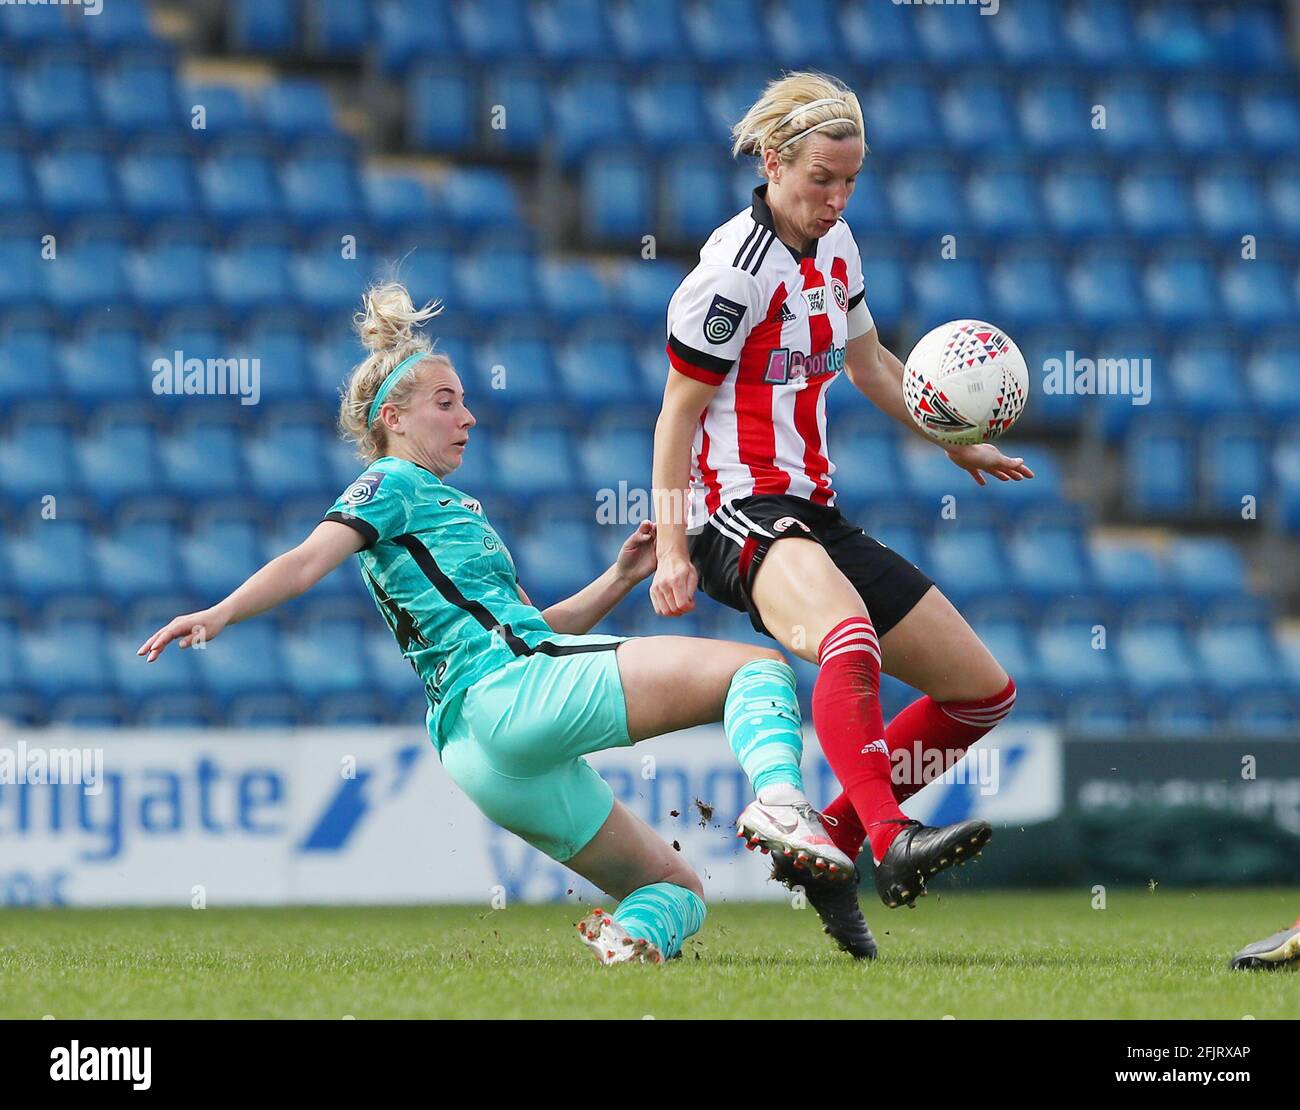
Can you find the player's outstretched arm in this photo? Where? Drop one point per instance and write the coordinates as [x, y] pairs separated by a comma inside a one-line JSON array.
[[581, 612], [285, 576], [878, 374]]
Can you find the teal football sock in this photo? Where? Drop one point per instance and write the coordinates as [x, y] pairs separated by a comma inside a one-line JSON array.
[[664, 914], [764, 726]]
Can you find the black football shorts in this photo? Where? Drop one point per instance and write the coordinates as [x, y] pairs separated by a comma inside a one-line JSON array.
[[729, 549]]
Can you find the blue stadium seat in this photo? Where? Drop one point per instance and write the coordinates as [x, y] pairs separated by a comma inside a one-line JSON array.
[[51, 558], [105, 365], [245, 660], [978, 115], [326, 658], [1067, 660], [533, 460], [866, 460], [295, 110], [951, 36], [1051, 560], [969, 560], [203, 460], [1050, 405], [527, 377], [571, 30], [876, 34], [339, 28], [65, 657], [1207, 568], [1104, 288], [239, 187], [173, 672], [36, 458], [285, 461], [21, 269], [1102, 34], [1135, 119], [886, 286], [615, 451], [1004, 201], [325, 281], [1079, 199], [1181, 288], [157, 186], [168, 276], [1029, 33], [282, 358], [1108, 715], [521, 91], [1056, 116], [1284, 198], [694, 195], [648, 31], [668, 110], [1239, 657], [218, 555], [1160, 471], [949, 289], [30, 27], [262, 26], [572, 290], [441, 107], [56, 95], [1274, 714], [428, 272], [1158, 657], [1173, 36], [89, 274], [1235, 464], [1156, 202], [1205, 371], [1286, 463], [137, 560], [411, 29], [805, 33], [139, 98], [320, 190], [1249, 35], [600, 371], [1230, 202], [1270, 118], [252, 276], [1128, 571], [496, 32], [227, 114], [23, 348], [1008, 639], [1186, 713], [1026, 290], [118, 460], [475, 199], [926, 199], [1272, 372], [77, 183], [726, 32], [394, 199], [123, 27], [1203, 120], [1258, 292], [579, 129], [901, 115], [18, 197], [555, 556], [644, 287], [617, 195], [493, 281]]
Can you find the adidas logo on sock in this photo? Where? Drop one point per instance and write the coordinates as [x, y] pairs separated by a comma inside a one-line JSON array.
[[876, 746]]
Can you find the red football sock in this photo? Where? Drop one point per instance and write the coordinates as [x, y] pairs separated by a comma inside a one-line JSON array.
[[924, 726], [846, 713]]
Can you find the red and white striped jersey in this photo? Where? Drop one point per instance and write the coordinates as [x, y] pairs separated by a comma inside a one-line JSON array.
[[768, 326]]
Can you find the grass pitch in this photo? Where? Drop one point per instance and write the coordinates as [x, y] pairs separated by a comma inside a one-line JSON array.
[[986, 955]]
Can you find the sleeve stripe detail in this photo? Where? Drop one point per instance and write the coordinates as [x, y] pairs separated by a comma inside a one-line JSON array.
[[855, 300], [367, 530], [679, 353], [759, 249], [752, 232]]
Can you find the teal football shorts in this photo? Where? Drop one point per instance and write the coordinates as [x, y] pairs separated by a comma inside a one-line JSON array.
[[515, 744]]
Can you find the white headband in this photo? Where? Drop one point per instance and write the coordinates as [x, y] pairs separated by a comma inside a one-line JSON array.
[[810, 130]]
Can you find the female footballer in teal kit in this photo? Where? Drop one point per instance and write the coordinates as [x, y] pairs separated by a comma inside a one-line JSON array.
[[518, 696]]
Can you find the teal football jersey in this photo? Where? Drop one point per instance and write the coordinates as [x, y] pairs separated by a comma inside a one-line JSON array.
[[440, 576]]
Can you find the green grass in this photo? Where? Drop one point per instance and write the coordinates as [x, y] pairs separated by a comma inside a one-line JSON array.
[[1027, 955]]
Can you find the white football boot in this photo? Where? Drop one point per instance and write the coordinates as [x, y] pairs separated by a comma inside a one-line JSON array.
[[612, 944], [795, 831]]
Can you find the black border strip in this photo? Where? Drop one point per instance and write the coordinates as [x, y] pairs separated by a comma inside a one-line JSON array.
[[367, 530], [711, 364]]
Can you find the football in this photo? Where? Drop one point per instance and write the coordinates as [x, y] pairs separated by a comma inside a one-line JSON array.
[[965, 382]]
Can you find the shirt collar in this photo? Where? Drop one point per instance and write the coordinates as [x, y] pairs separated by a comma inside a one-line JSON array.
[[763, 215]]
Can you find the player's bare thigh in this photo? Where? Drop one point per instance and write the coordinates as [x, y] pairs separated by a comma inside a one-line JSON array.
[[801, 595], [676, 682], [627, 853]]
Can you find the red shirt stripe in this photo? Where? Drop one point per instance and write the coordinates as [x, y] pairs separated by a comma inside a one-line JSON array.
[[755, 429]]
